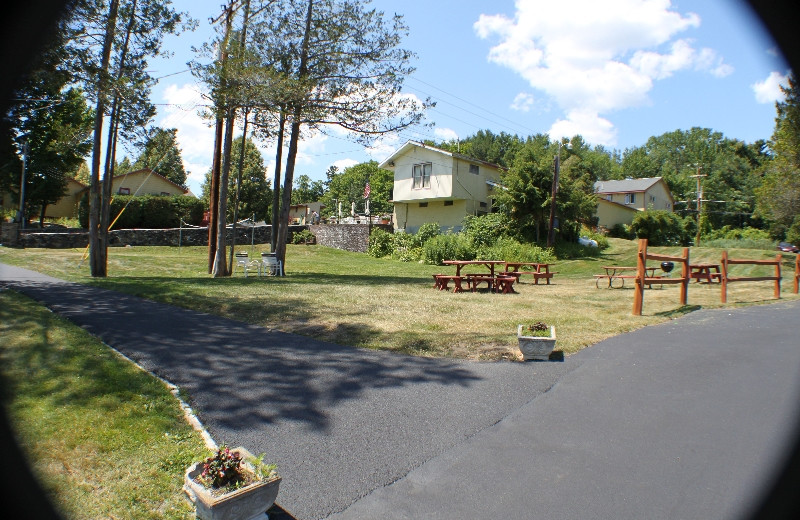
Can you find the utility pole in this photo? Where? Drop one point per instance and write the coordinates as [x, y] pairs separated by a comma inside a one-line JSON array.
[[698, 176], [554, 191], [21, 214]]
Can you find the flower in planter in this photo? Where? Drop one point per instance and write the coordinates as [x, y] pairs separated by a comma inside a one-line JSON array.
[[225, 469], [538, 329]]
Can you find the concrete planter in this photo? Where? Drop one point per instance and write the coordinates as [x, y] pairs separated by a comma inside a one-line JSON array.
[[248, 503], [534, 347]]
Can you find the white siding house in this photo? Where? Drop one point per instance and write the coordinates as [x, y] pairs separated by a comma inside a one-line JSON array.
[[434, 185]]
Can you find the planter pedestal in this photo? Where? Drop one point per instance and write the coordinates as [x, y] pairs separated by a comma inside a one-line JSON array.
[[536, 348], [248, 503]]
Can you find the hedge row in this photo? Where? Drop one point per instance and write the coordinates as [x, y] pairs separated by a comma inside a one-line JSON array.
[[149, 211]]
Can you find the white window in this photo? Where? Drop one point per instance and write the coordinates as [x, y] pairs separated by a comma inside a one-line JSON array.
[[124, 191], [422, 176], [630, 198], [473, 168]]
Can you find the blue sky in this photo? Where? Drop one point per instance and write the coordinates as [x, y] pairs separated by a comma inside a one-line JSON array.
[[615, 71]]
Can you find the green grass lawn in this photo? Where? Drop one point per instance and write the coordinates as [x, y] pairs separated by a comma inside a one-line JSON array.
[[353, 299], [105, 439]]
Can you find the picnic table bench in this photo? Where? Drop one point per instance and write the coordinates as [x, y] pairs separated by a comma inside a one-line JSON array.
[[539, 271], [441, 281], [703, 271], [500, 283]]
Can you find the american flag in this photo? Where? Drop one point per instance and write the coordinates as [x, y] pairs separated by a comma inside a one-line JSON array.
[[366, 191]]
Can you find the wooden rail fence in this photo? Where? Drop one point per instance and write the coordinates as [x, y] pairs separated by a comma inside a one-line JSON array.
[[726, 279], [641, 279], [796, 273]]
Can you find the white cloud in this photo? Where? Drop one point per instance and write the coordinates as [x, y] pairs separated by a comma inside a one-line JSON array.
[[600, 57], [769, 90], [590, 125], [523, 102], [345, 163], [195, 136], [445, 134]]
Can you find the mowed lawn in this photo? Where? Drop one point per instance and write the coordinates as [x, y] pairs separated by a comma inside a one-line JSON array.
[[354, 299]]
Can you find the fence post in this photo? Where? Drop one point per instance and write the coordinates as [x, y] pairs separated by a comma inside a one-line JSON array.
[[685, 274], [724, 277], [796, 273], [778, 260], [638, 295]]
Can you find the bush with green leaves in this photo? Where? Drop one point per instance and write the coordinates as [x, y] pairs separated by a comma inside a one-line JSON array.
[[303, 237], [381, 243], [621, 231], [510, 250], [427, 231], [406, 247], [729, 233], [728, 237], [484, 230], [600, 238], [450, 246], [664, 228]]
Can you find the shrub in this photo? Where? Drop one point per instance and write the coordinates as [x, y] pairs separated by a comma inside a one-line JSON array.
[[510, 250], [447, 247], [484, 230], [621, 231], [664, 228], [405, 247], [303, 237], [381, 243], [426, 232]]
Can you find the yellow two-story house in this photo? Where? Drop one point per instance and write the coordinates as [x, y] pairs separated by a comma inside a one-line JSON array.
[[434, 185], [619, 201]]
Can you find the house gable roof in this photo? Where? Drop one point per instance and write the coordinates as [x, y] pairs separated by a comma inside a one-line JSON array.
[[388, 163], [148, 171], [626, 185]]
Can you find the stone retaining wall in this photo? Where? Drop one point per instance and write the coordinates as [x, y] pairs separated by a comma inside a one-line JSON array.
[[68, 239], [350, 237]]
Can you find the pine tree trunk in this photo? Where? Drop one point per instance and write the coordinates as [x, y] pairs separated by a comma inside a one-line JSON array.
[[276, 193], [288, 178], [97, 251], [220, 263]]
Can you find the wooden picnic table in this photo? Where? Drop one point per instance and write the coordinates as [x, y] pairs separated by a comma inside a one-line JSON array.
[[462, 263], [615, 272], [502, 283], [703, 271], [538, 271]]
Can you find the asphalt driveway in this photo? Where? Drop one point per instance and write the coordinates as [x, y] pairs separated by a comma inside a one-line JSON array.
[[687, 419]]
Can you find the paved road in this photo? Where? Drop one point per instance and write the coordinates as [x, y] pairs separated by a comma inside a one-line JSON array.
[[687, 419]]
